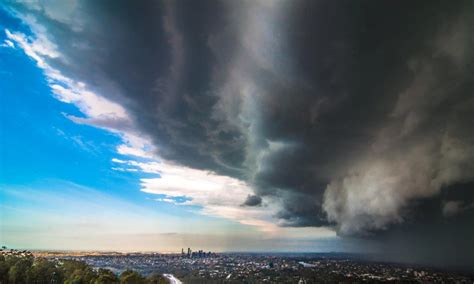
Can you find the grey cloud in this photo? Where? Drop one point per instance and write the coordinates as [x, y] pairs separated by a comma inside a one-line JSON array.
[[429, 236], [252, 200], [423, 146], [451, 208]]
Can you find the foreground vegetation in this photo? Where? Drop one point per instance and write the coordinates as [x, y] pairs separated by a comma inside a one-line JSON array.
[[23, 267]]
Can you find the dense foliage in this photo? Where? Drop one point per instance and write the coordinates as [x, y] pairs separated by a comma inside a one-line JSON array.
[[24, 268]]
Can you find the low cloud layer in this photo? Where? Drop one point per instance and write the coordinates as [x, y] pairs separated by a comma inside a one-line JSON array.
[[339, 113]]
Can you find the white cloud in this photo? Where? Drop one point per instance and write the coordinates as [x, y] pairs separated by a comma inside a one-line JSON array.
[[89, 103], [132, 151], [137, 145], [99, 111], [124, 169], [65, 89], [8, 43], [219, 196], [168, 200], [29, 48], [115, 160]]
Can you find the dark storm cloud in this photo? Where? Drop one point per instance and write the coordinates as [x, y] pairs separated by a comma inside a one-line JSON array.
[[350, 113], [252, 200], [429, 237]]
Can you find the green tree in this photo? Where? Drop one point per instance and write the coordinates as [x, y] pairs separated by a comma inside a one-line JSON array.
[[45, 271], [3, 270], [78, 272], [156, 279], [18, 272], [23, 267], [106, 276], [131, 277]]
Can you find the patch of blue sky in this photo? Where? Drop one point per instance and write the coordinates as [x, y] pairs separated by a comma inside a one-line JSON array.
[[179, 200], [38, 143]]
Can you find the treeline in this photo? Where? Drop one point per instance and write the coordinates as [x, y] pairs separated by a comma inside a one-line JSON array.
[[24, 268]]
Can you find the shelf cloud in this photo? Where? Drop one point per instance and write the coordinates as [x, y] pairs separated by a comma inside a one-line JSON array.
[[342, 114]]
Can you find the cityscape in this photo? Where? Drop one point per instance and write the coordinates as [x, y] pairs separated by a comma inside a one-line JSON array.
[[200, 267]]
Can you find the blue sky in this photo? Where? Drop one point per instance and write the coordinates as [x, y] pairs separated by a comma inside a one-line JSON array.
[[69, 182], [39, 142]]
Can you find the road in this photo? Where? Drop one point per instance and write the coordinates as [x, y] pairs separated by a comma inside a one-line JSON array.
[[172, 279]]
